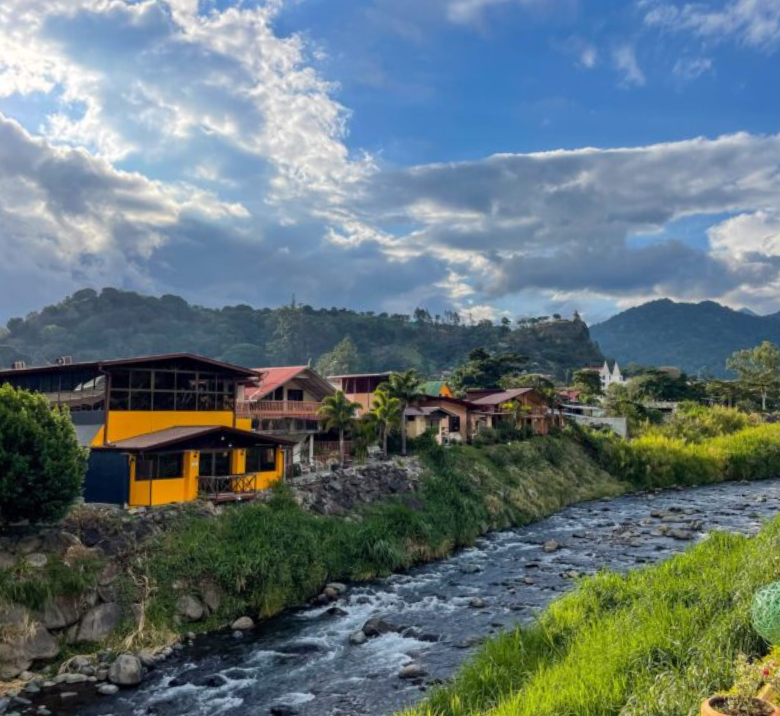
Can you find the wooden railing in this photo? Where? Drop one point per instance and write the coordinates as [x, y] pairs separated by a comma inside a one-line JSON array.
[[278, 409], [227, 487]]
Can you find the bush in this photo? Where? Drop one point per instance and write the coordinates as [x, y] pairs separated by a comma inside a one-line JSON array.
[[42, 467]]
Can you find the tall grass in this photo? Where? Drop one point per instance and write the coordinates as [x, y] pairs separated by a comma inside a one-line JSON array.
[[650, 643]]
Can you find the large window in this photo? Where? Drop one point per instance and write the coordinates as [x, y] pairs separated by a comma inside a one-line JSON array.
[[168, 390], [165, 466], [215, 464], [295, 395], [261, 459]]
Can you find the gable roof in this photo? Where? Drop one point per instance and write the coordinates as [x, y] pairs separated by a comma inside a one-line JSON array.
[[272, 378], [505, 396], [171, 437], [433, 387]]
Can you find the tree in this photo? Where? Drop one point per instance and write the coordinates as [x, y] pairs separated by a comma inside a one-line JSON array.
[[484, 370], [388, 413], [758, 369], [338, 413], [587, 381], [42, 467], [407, 388], [342, 360]]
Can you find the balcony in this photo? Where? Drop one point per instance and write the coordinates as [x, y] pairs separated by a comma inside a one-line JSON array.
[[278, 409]]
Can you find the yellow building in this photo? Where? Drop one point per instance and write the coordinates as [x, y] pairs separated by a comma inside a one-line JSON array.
[[160, 429]]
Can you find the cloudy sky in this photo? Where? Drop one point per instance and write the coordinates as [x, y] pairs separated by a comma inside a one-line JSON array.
[[499, 157]]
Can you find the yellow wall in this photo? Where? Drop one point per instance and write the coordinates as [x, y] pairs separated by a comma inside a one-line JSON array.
[[185, 489]]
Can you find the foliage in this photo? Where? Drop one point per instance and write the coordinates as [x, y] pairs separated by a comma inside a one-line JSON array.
[[757, 369], [337, 412], [696, 337], [652, 642], [696, 423], [406, 388], [342, 360], [619, 401], [118, 324], [664, 384], [486, 370], [388, 414], [42, 467], [588, 381]]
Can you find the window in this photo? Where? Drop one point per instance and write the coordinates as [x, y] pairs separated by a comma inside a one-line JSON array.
[[295, 395], [215, 464], [168, 390], [278, 394], [261, 459], [165, 466]]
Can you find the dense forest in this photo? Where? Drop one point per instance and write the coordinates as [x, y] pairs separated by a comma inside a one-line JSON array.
[[90, 326], [695, 337]]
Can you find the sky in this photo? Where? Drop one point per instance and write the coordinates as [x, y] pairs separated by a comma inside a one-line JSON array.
[[494, 157]]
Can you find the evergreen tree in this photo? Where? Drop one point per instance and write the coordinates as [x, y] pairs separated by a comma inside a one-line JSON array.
[[342, 360]]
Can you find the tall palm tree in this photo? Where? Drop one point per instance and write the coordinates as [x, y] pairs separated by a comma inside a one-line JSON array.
[[338, 413], [407, 387], [387, 412]]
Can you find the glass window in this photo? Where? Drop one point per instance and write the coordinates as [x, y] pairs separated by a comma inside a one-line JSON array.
[[164, 380], [164, 401], [215, 464], [186, 381], [120, 379], [186, 401], [278, 394], [141, 400], [261, 459], [120, 400], [165, 466], [296, 395], [141, 380]]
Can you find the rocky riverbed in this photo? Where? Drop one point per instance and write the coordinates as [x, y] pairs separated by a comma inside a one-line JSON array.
[[378, 647]]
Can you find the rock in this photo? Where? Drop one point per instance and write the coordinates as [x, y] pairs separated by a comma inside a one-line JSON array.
[[126, 671], [528, 580], [336, 612], [77, 663], [32, 688], [108, 575], [243, 624], [283, 710], [107, 689], [469, 569], [684, 535], [74, 678], [60, 612], [28, 545], [330, 593], [37, 560], [212, 596], [99, 622], [191, 608], [337, 587], [7, 561], [358, 638], [377, 627], [477, 603], [412, 671], [238, 634], [550, 546], [26, 641], [147, 659]]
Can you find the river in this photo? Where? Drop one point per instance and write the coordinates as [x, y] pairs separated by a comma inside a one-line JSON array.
[[303, 662]]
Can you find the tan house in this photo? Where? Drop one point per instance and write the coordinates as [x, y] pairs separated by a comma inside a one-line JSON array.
[[421, 418], [360, 388], [489, 409]]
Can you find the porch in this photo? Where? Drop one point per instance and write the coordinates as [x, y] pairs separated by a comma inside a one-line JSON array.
[[261, 409], [231, 488]]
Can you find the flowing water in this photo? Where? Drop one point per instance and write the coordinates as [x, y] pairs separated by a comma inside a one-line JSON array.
[[303, 662]]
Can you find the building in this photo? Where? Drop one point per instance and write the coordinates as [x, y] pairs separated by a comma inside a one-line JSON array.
[[437, 388], [160, 429], [285, 401], [359, 388], [489, 409], [608, 376]]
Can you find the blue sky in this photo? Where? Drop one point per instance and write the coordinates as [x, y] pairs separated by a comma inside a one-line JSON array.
[[498, 157]]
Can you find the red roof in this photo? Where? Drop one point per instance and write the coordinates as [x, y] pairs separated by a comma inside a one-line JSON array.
[[271, 379]]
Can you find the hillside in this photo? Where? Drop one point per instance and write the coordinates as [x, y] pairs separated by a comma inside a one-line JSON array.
[[691, 336], [113, 323]]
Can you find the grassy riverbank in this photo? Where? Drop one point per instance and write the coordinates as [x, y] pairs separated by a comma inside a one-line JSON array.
[[267, 557]]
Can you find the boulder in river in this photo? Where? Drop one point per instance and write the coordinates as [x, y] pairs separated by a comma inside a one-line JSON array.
[[243, 624], [551, 546], [377, 627], [126, 671], [358, 638], [412, 671]]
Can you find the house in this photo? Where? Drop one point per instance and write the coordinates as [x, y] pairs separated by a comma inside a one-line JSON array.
[[455, 427], [359, 388], [160, 429], [436, 388], [420, 419], [285, 401], [489, 409]]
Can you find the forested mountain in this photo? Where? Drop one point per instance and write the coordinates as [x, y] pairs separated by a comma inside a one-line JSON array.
[[113, 323], [697, 337]]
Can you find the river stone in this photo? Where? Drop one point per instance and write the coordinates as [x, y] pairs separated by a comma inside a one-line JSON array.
[[29, 643], [60, 612], [337, 587], [477, 603], [107, 689], [243, 624], [551, 546], [212, 596], [99, 622], [190, 608], [28, 545], [358, 638], [412, 671], [377, 627], [330, 593], [126, 671]]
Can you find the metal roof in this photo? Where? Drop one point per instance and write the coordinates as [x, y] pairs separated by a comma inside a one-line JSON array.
[[273, 378], [171, 437], [504, 396]]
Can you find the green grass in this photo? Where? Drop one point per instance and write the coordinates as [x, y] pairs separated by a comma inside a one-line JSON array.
[[651, 643]]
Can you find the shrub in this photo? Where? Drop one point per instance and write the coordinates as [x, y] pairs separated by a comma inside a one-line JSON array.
[[42, 467]]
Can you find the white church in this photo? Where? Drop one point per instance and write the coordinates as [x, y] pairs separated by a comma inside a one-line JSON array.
[[610, 377]]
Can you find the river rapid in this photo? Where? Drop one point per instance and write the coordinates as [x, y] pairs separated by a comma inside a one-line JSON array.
[[303, 662]]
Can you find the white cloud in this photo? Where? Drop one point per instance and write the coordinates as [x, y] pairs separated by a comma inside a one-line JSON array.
[[625, 61], [588, 57], [691, 68], [755, 23]]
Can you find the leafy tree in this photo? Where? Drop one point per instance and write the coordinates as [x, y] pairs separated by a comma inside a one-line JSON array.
[[588, 381], [364, 435], [388, 412], [620, 403], [342, 360], [484, 370], [406, 387], [758, 369], [42, 467], [665, 384], [338, 413], [245, 354]]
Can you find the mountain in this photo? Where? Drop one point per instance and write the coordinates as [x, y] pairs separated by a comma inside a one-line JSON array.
[[691, 336], [113, 323]]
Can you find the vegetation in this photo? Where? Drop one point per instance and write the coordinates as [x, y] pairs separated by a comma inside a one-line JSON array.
[[338, 413], [696, 337], [387, 413], [757, 369], [653, 642], [406, 389], [484, 370], [588, 381], [42, 467], [116, 324]]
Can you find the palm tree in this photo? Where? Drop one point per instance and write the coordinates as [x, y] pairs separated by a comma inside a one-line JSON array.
[[338, 413], [407, 388], [387, 412]]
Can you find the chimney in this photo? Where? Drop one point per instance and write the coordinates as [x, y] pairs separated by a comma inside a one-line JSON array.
[[18, 365]]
